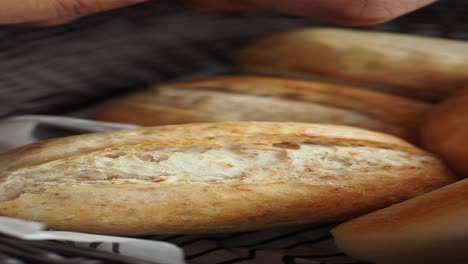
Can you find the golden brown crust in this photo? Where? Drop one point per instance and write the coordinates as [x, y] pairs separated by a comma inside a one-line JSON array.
[[446, 131], [410, 214], [398, 110], [427, 229], [414, 65], [130, 207], [50, 150], [370, 110], [134, 209], [132, 110]]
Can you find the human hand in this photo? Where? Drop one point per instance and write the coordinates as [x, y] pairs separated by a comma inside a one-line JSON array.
[[50, 12], [360, 12], [347, 12]]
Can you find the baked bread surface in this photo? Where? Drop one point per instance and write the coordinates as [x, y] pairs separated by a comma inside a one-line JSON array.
[[220, 177], [446, 131], [417, 66], [429, 229], [252, 98]]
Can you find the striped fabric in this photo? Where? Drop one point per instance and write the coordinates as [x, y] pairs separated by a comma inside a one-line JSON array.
[[301, 245]]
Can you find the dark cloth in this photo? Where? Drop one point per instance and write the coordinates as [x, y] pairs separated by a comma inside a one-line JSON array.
[[61, 69]]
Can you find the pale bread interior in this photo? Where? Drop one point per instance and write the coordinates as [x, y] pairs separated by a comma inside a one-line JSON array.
[[242, 163], [224, 105]]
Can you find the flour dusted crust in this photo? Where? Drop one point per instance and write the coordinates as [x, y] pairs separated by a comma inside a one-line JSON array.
[[215, 177], [417, 66], [429, 229], [251, 98]]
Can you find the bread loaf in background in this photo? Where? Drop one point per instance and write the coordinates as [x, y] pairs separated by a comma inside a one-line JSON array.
[[249, 98], [416, 66], [429, 229], [446, 131], [219, 177]]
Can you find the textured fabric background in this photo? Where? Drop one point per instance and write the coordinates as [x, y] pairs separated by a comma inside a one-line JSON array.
[[61, 69]]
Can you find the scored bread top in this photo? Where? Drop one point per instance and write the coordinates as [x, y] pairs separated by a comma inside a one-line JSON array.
[[396, 109], [251, 98], [50, 150], [223, 152]]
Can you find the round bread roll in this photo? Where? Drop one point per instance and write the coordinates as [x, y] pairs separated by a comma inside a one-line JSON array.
[[416, 66], [221, 177], [446, 131], [250, 98], [429, 229]]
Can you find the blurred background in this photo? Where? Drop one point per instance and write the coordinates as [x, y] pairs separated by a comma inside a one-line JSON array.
[[62, 69]]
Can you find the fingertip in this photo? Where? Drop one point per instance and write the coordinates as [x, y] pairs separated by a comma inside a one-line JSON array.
[[221, 5]]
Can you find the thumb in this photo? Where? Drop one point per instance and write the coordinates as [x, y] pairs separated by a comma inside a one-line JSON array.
[[25, 11]]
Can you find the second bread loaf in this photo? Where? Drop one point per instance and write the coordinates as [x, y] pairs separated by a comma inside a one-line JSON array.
[[416, 66], [248, 98]]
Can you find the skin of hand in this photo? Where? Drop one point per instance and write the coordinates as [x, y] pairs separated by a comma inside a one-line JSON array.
[[346, 12], [52, 12]]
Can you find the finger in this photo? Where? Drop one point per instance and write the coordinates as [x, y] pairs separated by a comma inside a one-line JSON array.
[[48, 23], [349, 12], [221, 4], [24, 11]]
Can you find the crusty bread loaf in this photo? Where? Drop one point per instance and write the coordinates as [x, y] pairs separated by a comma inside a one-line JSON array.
[[429, 229], [220, 177], [446, 131], [417, 66], [249, 98]]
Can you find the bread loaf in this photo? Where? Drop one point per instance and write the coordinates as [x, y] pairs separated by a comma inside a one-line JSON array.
[[423, 67], [220, 177], [247, 98], [446, 131], [429, 229]]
